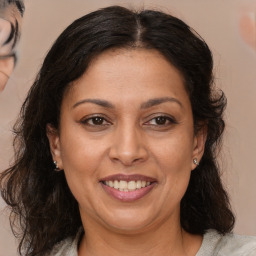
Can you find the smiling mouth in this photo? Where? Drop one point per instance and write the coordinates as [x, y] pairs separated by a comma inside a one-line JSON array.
[[127, 186]]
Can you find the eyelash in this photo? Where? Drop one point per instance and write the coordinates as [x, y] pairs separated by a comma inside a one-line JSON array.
[[100, 121]]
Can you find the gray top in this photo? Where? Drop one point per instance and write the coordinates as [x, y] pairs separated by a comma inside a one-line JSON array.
[[213, 244]]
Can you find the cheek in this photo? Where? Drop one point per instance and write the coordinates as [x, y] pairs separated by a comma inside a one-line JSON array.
[[81, 163], [175, 152], [81, 158], [174, 158]]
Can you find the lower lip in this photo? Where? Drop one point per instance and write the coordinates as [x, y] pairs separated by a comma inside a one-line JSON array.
[[130, 195]]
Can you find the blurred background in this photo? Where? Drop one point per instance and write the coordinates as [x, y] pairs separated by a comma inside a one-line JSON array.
[[229, 28]]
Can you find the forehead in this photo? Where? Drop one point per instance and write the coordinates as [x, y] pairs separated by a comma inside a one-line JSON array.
[[136, 65], [129, 73]]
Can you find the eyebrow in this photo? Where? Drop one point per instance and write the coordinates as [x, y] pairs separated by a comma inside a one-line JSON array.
[[148, 104], [157, 101], [102, 103]]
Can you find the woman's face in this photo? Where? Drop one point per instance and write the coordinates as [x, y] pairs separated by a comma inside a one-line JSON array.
[[126, 141]]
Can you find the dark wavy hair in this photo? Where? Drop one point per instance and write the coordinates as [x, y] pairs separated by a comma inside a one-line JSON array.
[[40, 198]]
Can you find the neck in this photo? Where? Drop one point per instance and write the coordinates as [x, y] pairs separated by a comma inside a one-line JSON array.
[[166, 239]]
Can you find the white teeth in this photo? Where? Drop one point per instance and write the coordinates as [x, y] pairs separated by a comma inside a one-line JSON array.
[[116, 184], [123, 185], [131, 185], [111, 183], [138, 185]]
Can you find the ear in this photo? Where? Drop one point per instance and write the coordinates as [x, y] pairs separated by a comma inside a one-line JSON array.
[[199, 145], [54, 142]]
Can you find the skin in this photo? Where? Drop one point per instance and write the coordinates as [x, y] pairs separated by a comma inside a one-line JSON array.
[[129, 141], [8, 15]]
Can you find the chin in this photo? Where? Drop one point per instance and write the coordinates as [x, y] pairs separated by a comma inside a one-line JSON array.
[[129, 222]]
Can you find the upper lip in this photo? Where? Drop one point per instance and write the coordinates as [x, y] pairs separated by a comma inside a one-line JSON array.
[[129, 177]]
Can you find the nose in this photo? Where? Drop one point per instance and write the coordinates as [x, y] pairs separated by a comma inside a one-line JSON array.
[[128, 146]]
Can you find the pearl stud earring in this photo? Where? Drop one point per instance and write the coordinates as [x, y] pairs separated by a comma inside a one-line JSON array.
[[195, 161], [56, 166]]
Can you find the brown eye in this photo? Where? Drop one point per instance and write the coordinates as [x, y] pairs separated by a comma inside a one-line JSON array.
[[95, 121], [161, 121]]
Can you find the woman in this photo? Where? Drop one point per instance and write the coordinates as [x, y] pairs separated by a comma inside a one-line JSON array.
[[116, 144]]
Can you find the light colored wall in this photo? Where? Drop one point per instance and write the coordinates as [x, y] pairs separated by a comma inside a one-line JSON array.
[[235, 66]]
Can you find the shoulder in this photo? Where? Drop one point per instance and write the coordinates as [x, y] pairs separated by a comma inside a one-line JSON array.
[[227, 245], [64, 248], [67, 247]]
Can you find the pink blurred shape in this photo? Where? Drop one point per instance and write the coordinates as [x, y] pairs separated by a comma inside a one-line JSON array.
[[247, 26]]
